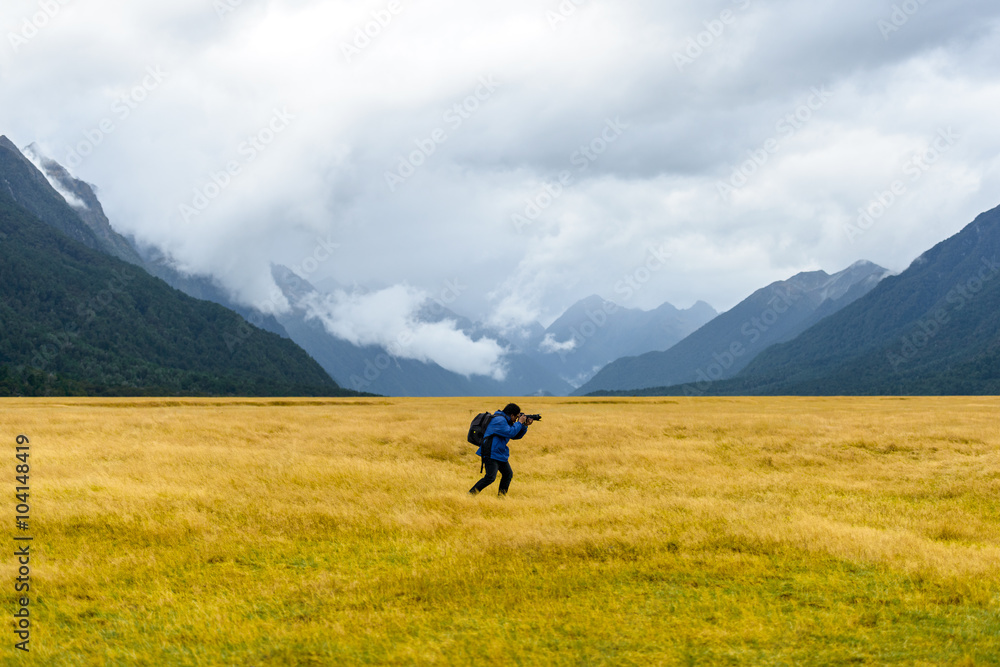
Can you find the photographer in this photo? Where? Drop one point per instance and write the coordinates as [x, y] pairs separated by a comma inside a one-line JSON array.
[[507, 424]]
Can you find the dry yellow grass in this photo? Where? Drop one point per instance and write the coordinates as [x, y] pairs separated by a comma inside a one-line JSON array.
[[642, 531]]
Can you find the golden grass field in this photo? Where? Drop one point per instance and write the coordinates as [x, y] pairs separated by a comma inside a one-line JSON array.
[[636, 532]]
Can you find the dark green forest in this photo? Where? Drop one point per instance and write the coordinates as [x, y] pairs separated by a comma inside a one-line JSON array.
[[74, 321]]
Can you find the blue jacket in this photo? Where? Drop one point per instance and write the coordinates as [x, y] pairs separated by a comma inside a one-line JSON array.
[[501, 431]]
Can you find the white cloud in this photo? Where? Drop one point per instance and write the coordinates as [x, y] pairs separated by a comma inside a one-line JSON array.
[[388, 318], [324, 175], [549, 345], [70, 198]]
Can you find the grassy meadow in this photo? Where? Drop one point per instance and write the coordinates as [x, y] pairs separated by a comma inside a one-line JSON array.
[[636, 532]]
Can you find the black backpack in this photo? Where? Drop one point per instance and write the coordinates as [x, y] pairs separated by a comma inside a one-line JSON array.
[[478, 428], [476, 431]]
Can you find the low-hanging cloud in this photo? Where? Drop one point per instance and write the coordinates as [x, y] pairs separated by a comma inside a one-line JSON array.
[[550, 345], [31, 153], [389, 318]]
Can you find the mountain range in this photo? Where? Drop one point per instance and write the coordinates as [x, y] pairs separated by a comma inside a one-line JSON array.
[[549, 361], [376, 369], [725, 345], [933, 329], [45, 189], [595, 332], [85, 310]]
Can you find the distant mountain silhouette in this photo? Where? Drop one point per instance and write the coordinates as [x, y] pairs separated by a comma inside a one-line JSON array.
[[374, 369], [724, 346], [594, 332]]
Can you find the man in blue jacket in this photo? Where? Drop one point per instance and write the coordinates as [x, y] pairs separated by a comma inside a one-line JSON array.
[[507, 424]]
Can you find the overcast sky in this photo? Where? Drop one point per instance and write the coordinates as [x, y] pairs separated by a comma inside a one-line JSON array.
[[521, 155]]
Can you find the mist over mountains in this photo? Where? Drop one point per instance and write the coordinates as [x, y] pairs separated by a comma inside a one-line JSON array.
[[97, 232], [402, 368], [811, 333], [77, 319], [395, 341]]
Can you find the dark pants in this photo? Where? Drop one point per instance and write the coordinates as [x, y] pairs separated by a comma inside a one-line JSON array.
[[491, 474]]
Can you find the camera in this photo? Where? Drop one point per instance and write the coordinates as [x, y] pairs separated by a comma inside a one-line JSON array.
[[534, 417]]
